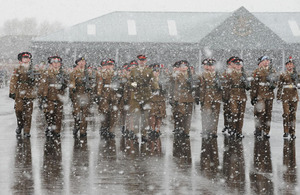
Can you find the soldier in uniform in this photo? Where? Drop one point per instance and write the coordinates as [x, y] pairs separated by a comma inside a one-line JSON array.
[[52, 88], [141, 83], [210, 94], [107, 91], [262, 95], [236, 86], [225, 97], [181, 98], [79, 91], [288, 94], [157, 102], [21, 89]]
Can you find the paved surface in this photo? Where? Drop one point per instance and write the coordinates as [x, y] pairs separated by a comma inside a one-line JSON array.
[[165, 166]]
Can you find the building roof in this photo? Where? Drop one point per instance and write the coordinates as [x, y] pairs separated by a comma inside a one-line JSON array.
[[177, 27]]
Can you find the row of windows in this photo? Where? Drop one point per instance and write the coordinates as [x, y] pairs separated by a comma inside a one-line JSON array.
[[91, 28]]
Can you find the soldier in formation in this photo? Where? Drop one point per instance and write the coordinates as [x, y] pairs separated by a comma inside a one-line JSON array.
[[287, 93], [181, 97], [157, 102], [235, 93], [107, 91], [262, 95], [210, 96], [141, 83], [21, 89], [52, 89], [79, 91]]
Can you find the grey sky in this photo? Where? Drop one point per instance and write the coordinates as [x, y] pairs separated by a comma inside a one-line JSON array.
[[70, 12]]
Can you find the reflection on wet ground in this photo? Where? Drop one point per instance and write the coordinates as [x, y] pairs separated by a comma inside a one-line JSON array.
[[167, 165]]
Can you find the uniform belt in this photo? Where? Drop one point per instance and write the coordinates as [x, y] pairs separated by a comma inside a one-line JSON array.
[[264, 84], [237, 86], [211, 87], [110, 86], [289, 86], [55, 85]]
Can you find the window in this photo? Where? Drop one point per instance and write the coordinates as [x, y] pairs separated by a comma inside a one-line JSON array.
[[294, 27], [91, 29], [131, 27], [172, 27]]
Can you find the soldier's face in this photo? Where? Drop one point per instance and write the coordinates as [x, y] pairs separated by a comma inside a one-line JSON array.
[[238, 67], [81, 63], [25, 60], [142, 62], [289, 66], [265, 63], [56, 65]]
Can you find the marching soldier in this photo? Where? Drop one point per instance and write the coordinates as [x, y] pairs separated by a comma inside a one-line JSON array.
[[52, 88], [210, 93], [288, 94], [79, 91], [236, 87], [22, 91], [181, 98], [107, 91], [262, 95], [141, 86], [225, 96], [157, 102]]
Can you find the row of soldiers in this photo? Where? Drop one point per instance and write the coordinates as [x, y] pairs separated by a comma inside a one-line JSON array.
[[138, 93]]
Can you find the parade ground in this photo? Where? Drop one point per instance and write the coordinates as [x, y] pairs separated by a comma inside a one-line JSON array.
[[167, 165]]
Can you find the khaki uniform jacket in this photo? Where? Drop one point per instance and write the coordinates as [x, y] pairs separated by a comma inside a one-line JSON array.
[[208, 90], [236, 87], [141, 83], [50, 85], [180, 89], [260, 87], [21, 84], [106, 87], [287, 88], [77, 83]]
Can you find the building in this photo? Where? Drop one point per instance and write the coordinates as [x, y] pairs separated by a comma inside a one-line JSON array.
[[166, 37]]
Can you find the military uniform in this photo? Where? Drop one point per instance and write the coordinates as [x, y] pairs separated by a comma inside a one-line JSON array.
[[210, 98], [225, 97], [235, 91], [181, 99], [79, 91], [157, 102], [52, 88], [107, 91], [141, 85], [288, 94], [22, 91], [262, 96]]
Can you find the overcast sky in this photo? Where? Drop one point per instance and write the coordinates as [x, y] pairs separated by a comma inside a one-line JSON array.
[[71, 12]]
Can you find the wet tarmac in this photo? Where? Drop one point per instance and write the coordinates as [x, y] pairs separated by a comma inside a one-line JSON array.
[[168, 165]]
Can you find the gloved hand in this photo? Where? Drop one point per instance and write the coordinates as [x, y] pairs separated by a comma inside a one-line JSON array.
[[197, 100], [12, 96], [253, 101]]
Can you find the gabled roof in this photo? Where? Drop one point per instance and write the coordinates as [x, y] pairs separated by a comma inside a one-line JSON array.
[[178, 27], [242, 30]]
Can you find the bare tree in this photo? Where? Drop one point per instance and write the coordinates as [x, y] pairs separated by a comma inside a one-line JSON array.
[[29, 26]]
